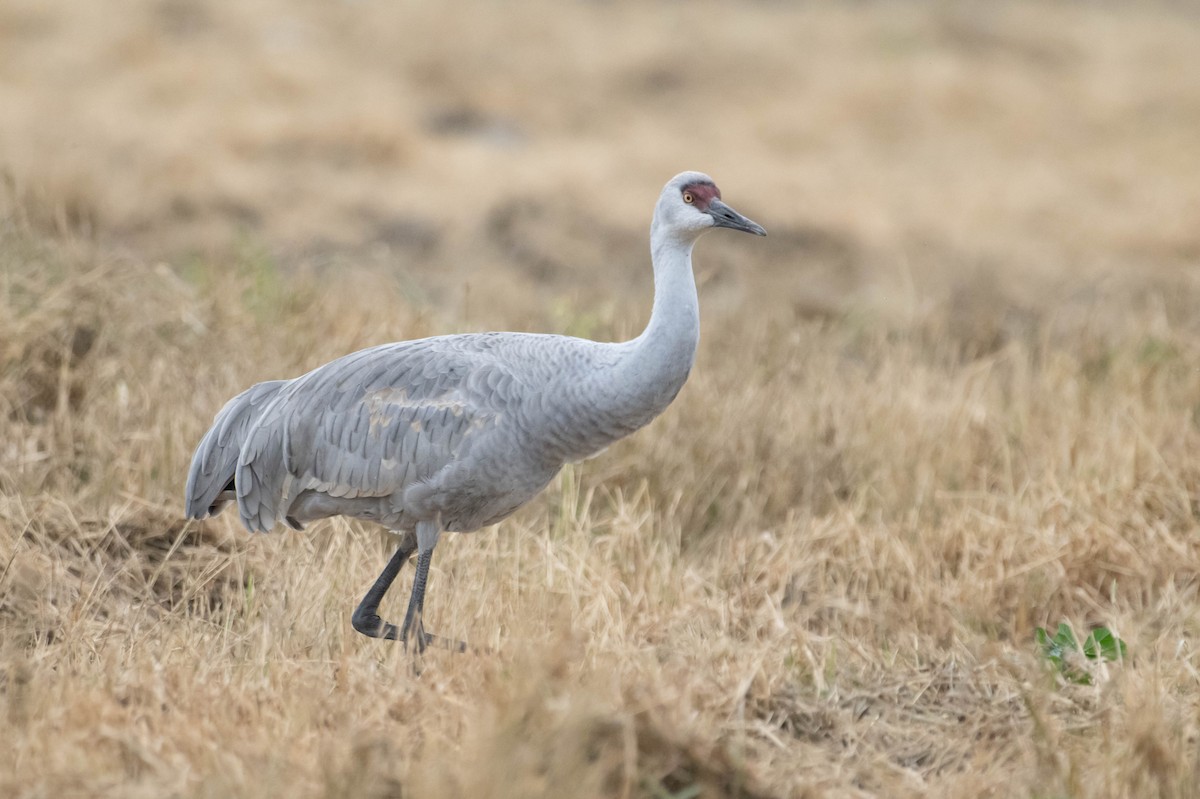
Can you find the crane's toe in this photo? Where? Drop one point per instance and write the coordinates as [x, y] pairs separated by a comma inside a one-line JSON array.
[[370, 625], [452, 644]]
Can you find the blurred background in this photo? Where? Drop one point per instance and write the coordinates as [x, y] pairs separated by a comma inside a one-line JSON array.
[[994, 156]]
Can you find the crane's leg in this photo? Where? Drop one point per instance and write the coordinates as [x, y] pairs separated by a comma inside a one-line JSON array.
[[366, 616], [416, 602]]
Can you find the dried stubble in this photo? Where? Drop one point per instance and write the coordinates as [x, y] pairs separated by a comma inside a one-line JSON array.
[[926, 419]]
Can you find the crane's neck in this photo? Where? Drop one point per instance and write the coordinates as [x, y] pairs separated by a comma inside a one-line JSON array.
[[658, 361], [668, 344], [648, 371]]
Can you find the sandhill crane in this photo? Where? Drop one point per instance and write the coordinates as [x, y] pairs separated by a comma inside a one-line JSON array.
[[454, 433]]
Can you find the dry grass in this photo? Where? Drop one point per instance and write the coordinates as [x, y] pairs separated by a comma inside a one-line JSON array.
[[951, 398]]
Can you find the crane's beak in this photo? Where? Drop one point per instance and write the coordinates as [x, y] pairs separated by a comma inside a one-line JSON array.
[[724, 216]]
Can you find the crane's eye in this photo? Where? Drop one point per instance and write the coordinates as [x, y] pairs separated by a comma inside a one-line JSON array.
[[688, 198]]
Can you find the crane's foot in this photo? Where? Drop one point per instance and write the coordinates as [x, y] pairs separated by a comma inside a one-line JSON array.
[[372, 626], [441, 642]]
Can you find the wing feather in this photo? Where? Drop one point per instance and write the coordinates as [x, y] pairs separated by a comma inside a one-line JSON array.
[[370, 424], [216, 456]]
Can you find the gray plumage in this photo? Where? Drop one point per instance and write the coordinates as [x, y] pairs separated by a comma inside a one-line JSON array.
[[208, 489], [455, 432]]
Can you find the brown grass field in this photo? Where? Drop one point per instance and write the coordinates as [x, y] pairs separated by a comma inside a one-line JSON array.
[[953, 397]]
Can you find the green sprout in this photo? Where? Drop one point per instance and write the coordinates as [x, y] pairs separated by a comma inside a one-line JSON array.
[[1063, 650]]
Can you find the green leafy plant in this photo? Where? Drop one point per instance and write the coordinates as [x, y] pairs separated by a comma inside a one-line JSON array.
[[1063, 650]]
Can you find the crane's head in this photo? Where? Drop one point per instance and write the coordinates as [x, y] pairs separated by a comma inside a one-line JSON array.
[[691, 203]]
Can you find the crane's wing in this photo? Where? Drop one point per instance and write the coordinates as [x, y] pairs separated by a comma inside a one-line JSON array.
[[371, 423], [217, 455]]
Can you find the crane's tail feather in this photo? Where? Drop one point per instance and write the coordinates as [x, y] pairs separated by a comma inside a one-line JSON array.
[[211, 484]]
